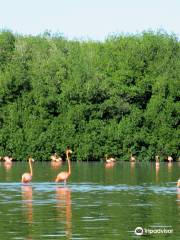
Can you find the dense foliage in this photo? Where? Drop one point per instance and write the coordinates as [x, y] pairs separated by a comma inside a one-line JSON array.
[[115, 97]]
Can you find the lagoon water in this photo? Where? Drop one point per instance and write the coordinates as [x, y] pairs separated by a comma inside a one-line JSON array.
[[98, 202]]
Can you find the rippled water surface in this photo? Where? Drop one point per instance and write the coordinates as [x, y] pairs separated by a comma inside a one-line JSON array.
[[98, 202]]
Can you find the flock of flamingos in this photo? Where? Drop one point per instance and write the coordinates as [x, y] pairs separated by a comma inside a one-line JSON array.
[[63, 176]]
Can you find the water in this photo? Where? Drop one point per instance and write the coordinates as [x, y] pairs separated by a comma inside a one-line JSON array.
[[98, 202]]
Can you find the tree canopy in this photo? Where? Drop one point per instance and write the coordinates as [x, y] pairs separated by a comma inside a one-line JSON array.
[[115, 97]]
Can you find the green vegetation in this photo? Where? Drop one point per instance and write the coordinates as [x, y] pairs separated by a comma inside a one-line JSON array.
[[115, 97]]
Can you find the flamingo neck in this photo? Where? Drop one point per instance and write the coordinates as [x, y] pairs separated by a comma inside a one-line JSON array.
[[30, 167], [69, 164]]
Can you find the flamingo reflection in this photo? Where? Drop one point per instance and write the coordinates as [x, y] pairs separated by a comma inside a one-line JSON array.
[[7, 165], [170, 164], [132, 165], [27, 195], [55, 164], [109, 164], [157, 171], [63, 196], [178, 196], [132, 168]]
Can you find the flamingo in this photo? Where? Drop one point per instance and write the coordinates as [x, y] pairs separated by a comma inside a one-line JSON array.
[[63, 176], [132, 158], [27, 177], [53, 158], [170, 159], [110, 160], [56, 158], [157, 162], [178, 183], [59, 159], [157, 158], [8, 159]]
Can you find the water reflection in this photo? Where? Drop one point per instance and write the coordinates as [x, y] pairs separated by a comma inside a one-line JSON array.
[[132, 166], [109, 165], [55, 165], [170, 164], [7, 165], [63, 196], [27, 195], [178, 196], [157, 171]]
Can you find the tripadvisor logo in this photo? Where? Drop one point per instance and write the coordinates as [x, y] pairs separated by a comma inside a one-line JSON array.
[[138, 231], [145, 231]]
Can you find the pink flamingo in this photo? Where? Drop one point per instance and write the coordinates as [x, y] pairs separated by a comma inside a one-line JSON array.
[[27, 177], [110, 160], [157, 164], [63, 176], [8, 159], [157, 158], [170, 159], [178, 183], [132, 158], [56, 158]]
